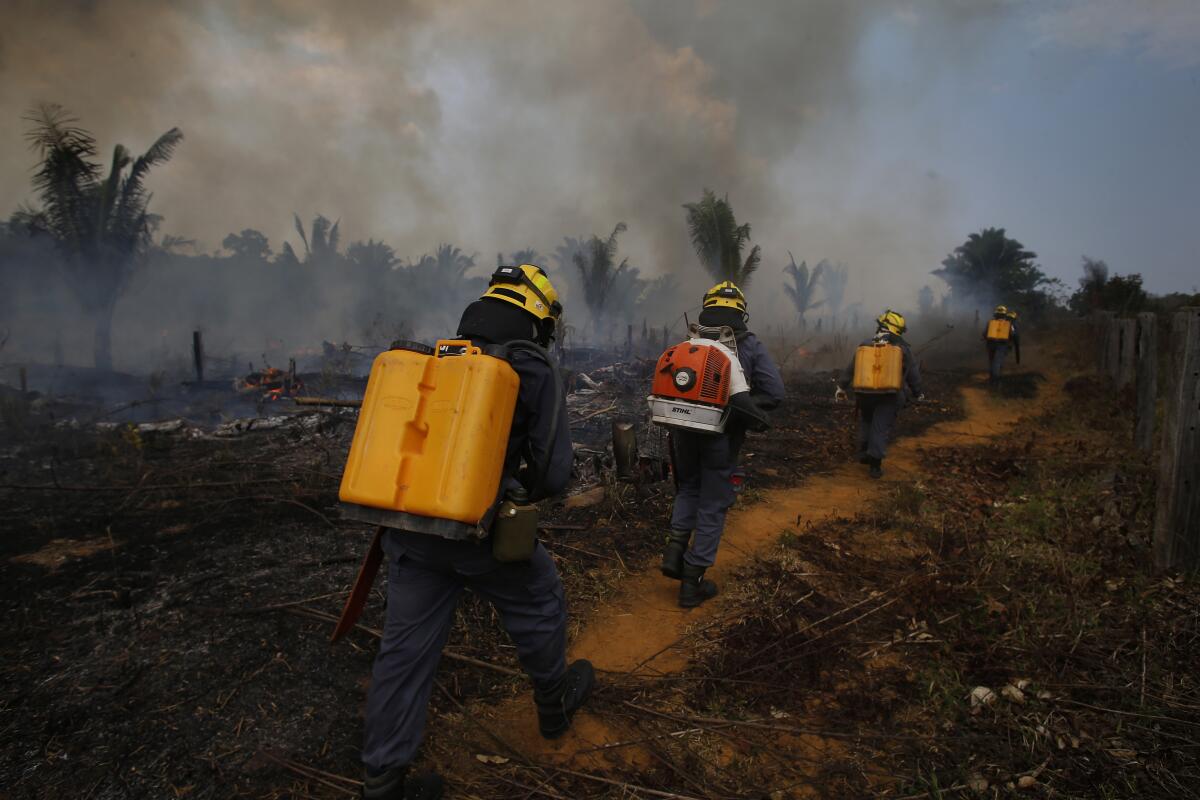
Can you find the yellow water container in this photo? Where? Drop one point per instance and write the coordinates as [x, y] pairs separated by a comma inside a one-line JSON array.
[[999, 330], [878, 368], [432, 433]]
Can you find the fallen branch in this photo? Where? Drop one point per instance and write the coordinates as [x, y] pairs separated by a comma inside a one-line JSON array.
[[327, 401], [596, 413]]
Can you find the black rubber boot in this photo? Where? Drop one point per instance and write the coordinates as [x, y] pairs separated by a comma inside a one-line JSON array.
[[672, 560], [693, 588], [557, 704], [398, 784], [876, 470], [863, 458]]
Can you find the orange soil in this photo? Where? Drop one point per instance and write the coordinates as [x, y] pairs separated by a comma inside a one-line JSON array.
[[643, 629]]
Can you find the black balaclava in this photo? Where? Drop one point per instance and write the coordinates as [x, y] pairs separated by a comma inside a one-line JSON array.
[[496, 322], [718, 316]]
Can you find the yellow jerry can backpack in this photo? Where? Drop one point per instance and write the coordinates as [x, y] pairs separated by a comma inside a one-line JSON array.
[[878, 368], [431, 439], [999, 330]]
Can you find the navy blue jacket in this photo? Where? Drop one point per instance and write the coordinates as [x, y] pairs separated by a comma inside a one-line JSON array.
[[546, 453], [766, 384]]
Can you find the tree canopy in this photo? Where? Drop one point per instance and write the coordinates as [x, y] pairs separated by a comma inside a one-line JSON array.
[[803, 289], [1121, 294], [719, 239], [989, 267], [596, 262], [100, 224]]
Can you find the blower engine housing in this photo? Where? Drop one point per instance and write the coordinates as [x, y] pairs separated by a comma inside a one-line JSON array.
[[696, 380]]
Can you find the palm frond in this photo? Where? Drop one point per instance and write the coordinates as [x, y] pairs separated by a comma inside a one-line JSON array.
[[750, 266], [159, 153], [335, 236], [719, 240], [303, 235]]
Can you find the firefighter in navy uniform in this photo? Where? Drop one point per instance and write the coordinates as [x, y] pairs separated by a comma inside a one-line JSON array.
[[877, 412], [704, 463], [427, 574], [1000, 334]]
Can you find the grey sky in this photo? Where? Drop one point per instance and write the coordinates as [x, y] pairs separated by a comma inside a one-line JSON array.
[[877, 134]]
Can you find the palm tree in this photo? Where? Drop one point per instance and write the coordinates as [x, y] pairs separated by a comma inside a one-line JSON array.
[[320, 249], [595, 262], [719, 240], [803, 290], [439, 283], [100, 224], [989, 265]]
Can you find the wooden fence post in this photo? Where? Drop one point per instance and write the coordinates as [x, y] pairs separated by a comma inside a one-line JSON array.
[[1177, 515], [1147, 380], [198, 355], [1126, 352]]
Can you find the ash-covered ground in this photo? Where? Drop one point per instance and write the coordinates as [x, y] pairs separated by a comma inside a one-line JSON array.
[[168, 588]]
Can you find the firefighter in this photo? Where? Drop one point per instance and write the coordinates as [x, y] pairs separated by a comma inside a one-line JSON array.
[[704, 463], [427, 574], [877, 411], [1000, 334]]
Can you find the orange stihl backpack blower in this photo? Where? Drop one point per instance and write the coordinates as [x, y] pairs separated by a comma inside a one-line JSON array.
[[699, 383]]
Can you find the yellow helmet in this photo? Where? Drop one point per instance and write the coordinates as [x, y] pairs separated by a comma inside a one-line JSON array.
[[725, 295], [1010, 314], [1001, 311], [528, 287], [892, 322]]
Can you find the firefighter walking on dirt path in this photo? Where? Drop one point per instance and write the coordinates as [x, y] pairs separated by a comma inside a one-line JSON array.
[[883, 374], [427, 573], [704, 463], [1000, 334]]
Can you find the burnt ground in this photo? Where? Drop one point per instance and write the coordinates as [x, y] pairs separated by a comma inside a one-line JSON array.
[[164, 594], [992, 629]]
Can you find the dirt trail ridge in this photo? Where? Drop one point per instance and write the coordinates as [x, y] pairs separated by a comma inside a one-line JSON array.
[[642, 629]]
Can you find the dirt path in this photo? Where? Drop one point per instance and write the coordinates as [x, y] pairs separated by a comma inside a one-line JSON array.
[[643, 630]]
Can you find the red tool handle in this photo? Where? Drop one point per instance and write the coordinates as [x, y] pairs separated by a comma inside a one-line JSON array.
[[362, 587]]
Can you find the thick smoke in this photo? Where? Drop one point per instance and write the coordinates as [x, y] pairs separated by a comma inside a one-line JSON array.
[[496, 126]]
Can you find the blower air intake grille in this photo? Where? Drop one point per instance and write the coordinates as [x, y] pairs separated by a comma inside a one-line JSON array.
[[714, 387]]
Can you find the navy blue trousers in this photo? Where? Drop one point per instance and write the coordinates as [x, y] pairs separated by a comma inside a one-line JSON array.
[[996, 355], [426, 576], [704, 467], [876, 417]]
